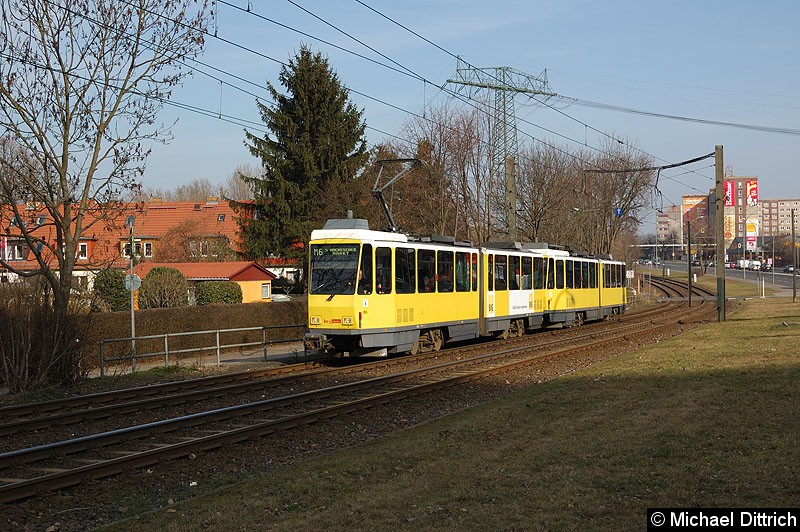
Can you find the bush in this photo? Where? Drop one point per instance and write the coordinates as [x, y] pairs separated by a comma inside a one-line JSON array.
[[226, 292], [164, 288], [38, 344], [109, 288]]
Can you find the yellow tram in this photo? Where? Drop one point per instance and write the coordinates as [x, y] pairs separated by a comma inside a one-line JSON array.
[[376, 292]]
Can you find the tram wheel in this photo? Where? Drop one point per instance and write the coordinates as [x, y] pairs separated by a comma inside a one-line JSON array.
[[437, 339], [415, 349]]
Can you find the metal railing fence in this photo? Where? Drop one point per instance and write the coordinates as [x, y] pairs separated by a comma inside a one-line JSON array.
[[217, 346]]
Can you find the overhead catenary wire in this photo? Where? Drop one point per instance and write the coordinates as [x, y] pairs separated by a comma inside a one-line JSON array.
[[650, 168], [753, 127], [406, 71], [393, 21]]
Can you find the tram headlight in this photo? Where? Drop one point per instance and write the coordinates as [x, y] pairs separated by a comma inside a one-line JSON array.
[[315, 320], [347, 320]]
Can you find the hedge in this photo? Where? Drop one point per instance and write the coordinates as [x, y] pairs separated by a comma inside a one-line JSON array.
[[225, 292], [159, 321]]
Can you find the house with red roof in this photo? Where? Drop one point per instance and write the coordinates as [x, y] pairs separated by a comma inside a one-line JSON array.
[[254, 280], [205, 231]]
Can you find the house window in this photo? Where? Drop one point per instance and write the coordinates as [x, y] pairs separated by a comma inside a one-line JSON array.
[[41, 219], [15, 251], [148, 249], [266, 290], [83, 251], [137, 248], [220, 217]]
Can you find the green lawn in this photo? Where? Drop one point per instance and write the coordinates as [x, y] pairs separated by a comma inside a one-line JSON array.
[[705, 419]]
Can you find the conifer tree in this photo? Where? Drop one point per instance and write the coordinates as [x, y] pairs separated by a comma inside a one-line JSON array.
[[316, 144]]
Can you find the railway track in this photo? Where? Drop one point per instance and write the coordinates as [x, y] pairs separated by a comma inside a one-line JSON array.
[[59, 464], [82, 409]]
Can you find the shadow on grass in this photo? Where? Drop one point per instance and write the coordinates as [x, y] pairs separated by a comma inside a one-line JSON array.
[[588, 451]]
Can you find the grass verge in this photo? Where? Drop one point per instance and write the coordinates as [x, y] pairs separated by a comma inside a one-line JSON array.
[[704, 419]]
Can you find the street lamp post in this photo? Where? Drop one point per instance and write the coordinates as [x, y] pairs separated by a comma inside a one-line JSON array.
[[689, 256], [129, 221], [794, 263]]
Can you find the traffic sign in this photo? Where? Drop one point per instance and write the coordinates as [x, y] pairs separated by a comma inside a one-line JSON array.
[[136, 282]]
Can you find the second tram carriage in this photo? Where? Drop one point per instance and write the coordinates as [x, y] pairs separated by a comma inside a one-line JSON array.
[[375, 292]]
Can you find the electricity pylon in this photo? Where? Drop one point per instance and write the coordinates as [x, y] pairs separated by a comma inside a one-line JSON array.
[[506, 82]]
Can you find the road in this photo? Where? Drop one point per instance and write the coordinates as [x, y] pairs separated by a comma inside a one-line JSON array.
[[776, 279]]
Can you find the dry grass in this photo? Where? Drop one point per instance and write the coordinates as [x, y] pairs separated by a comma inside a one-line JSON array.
[[705, 419]]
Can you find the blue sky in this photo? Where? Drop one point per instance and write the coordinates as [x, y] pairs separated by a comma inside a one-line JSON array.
[[725, 61]]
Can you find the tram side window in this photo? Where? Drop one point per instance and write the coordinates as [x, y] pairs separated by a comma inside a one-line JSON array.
[[426, 271], [462, 271], [500, 271], [624, 276], [538, 273], [513, 273], [444, 271], [551, 274], [405, 263], [559, 274], [383, 270], [527, 280], [584, 275], [365, 270], [490, 272], [592, 275], [474, 272], [570, 274]]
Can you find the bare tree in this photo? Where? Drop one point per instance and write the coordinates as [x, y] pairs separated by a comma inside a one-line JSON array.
[[198, 190], [81, 86], [192, 242], [471, 176], [616, 187], [450, 194], [546, 184], [195, 190], [235, 187]]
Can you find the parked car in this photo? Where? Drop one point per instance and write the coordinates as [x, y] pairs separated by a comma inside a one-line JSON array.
[[788, 268]]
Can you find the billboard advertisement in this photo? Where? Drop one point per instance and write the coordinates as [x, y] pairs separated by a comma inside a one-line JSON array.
[[728, 193], [729, 226], [695, 207], [752, 192], [751, 234]]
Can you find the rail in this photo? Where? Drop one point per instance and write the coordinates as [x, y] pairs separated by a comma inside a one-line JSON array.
[[217, 346]]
